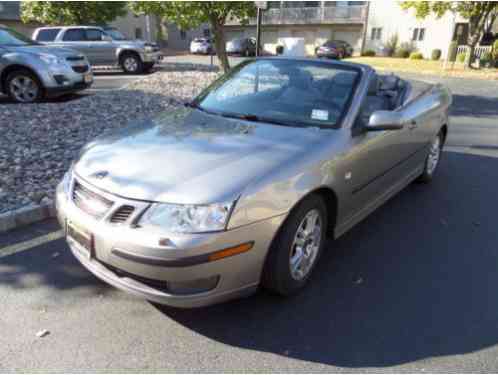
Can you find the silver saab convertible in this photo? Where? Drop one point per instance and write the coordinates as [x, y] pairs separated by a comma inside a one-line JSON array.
[[241, 187]]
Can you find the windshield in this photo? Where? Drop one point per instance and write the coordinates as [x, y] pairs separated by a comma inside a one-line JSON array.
[[287, 92], [116, 34], [11, 38]]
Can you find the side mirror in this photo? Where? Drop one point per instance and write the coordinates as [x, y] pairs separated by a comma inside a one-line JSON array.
[[106, 38], [385, 120]]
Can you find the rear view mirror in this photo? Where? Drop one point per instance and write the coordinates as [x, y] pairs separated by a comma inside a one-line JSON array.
[[385, 120]]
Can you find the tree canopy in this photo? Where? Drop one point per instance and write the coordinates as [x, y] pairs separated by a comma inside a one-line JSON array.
[[191, 14], [72, 12]]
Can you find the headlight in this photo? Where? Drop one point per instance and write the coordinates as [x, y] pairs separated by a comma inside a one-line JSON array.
[[51, 59], [188, 218], [149, 49], [66, 180]]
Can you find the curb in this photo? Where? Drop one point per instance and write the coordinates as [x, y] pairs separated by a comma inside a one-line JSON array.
[[26, 215]]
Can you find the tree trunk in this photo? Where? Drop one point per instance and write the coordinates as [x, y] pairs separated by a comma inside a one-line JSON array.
[[219, 42]]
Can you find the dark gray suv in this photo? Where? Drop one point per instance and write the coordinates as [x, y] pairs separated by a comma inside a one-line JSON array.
[[30, 71]]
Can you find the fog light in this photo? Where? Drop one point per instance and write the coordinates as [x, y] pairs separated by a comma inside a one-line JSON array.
[[61, 79], [193, 286]]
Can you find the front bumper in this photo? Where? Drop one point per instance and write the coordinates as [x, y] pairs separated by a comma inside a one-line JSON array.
[[131, 258], [66, 78], [151, 57]]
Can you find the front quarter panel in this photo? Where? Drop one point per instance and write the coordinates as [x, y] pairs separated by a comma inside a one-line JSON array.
[[278, 191]]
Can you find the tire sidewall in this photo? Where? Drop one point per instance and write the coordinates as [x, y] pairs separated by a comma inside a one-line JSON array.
[[277, 274]]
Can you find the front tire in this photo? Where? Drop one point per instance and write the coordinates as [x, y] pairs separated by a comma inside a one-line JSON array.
[[296, 248], [131, 63], [22, 86], [433, 158]]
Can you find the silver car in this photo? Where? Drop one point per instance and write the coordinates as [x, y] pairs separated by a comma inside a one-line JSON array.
[[103, 46], [30, 71], [240, 188]]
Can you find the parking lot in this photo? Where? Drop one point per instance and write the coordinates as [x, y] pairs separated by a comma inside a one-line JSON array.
[[411, 288]]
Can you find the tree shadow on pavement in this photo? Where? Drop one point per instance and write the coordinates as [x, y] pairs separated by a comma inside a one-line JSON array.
[[417, 279], [49, 264], [475, 106]]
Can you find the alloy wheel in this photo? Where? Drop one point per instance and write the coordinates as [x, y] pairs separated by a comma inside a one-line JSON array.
[[306, 245], [24, 89]]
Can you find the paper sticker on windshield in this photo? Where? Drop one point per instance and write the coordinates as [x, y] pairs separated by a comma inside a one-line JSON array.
[[320, 114]]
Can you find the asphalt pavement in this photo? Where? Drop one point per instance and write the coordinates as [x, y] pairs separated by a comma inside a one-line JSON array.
[[410, 289]]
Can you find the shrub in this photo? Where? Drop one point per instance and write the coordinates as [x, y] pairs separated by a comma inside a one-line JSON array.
[[436, 54], [495, 50], [405, 49], [416, 56], [461, 57], [452, 51], [369, 52], [392, 45]]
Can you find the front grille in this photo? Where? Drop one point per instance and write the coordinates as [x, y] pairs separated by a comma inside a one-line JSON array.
[[81, 68], [90, 202], [122, 214], [75, 58]]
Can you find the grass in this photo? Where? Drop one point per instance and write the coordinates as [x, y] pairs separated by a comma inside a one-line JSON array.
[[425, 67]]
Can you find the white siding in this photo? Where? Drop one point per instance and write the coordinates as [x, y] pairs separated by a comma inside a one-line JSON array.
[[392, 19]]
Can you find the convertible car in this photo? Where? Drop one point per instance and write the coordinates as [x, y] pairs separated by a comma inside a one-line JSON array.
[[239, 188]]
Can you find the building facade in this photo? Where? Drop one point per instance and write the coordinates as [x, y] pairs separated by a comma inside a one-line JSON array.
[[315, 21], [10, 16]]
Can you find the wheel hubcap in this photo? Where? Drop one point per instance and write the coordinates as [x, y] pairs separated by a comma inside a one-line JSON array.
[[24, 89], [306, 245], [130, 64], [434, 154]]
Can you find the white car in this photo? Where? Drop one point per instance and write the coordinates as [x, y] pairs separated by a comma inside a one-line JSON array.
[[203, 46]]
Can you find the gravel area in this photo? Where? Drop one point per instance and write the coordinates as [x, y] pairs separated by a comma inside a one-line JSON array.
[[39, 141]]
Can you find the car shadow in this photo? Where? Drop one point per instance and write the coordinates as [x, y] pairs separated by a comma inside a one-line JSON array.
[[415, 280]]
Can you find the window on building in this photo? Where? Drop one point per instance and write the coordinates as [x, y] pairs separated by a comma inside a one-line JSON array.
[[47, 35], [138, 33], [273, 4], [207, 33], [183, 34], [418, 34], [74, 35], [376, 33]]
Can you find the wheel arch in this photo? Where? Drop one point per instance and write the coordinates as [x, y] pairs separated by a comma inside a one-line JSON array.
[[15, 67]]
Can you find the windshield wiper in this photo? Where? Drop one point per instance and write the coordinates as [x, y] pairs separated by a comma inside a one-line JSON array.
[[256, 118]]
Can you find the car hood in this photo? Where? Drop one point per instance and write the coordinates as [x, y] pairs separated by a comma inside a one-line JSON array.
[[35, 50], [188, 156]]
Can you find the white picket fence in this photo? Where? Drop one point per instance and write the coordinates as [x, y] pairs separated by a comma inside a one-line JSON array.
[[478, 52]]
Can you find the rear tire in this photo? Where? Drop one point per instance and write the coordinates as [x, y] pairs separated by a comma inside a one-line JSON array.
[[432, 160], [296, 248], [131, 63], [23, 86]]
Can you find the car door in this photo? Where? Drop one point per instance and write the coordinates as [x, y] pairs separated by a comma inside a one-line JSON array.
[[379, 161], [75, 38], [102, 50]]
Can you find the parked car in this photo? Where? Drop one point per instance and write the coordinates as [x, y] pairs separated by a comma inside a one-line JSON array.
[[103, 46], [241, 46], [204, 46], [240, 188], [30, 71], [334, 49]]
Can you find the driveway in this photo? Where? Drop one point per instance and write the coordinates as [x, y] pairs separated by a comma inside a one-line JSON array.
[[410, 289]]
